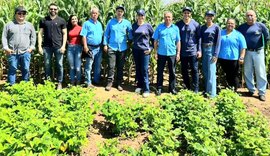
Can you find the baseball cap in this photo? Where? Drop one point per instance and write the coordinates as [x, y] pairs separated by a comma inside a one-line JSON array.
[[187, 9], [210, 13], [120, 7], [141, 12], [20, 9]]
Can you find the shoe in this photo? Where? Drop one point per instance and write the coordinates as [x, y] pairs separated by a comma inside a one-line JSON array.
[[59, 86], [109, 86], [138, 90], [146, 94], [250, 93], [119, 88], [159, 91], [174, 92], [262, 97], [90, 86]]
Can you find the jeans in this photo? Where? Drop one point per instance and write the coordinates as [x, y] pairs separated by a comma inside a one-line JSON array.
[[160, 68], [141, 65], [231, 69], [97, 66], [255, 61], [74, 58], [23, 60], [209, 71], [186, 63], [116, 58], [48, 53], [88, 65]]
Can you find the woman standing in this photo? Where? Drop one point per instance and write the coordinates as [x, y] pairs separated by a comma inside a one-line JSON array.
[[74, 49], [232, 53], [210, 33], [142, 46]]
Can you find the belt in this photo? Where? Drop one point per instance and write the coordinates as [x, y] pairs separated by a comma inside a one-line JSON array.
[[255, 50], [95, 46], [207, 44]]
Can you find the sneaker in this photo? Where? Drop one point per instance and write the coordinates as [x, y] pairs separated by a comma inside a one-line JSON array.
[[138, 90], [158, 92], [90, 86], [119, 88], [250, 94], [146, 94], [109, 86], [59, 86], [262, 97], [174, 92]]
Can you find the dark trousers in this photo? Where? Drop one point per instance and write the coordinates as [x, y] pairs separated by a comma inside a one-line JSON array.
[[160, 68], [141, 63], [116, 59], [231, 69], [186, 63]]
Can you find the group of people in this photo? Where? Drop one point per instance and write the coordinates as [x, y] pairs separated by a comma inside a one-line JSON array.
[[186, 41]]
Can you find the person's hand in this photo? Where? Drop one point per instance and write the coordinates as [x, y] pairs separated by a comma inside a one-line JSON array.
[[199, 54], [85, 49], [214, 59], [156, 56], [147, 52], [241, 60], [62, 49], [8, 51], [30, 50], [105, 49], [40, 50], [178, 57]]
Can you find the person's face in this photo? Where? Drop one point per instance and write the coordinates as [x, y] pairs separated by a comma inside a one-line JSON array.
[[74, 20], [209, 18], [94, 14], [168, 18], [186, 14], [230, 25], [251, 17], [140, 18], [20, 16], [53, 10], [119, 13]]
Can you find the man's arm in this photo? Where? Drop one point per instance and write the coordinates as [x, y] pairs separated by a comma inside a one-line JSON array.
[[40, 39], [5, 41], [63, 47], [33, 39]]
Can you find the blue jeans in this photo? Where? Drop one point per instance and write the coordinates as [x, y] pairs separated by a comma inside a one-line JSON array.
[[23, 60], [74, 58], [255, 61], [48, 53], [141, 65], [97, 66], [88, 64], [160, 68], [209, 71], [186, 63]]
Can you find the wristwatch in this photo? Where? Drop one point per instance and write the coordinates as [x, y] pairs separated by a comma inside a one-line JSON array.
[[241, 58]]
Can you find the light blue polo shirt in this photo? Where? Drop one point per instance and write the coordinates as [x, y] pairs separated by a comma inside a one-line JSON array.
[[92, 31], [117, 33], [167, 38], [231, 45]]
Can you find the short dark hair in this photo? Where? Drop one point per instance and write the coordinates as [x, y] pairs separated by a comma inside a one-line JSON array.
[[53, 4]]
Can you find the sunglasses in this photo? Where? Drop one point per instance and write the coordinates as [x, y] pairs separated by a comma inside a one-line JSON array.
[[21, 13], [53, 9]]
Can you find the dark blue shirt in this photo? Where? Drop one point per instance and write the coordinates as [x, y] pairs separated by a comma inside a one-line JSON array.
[[254, 34], [142, 36], [211, 35], [190, 37]]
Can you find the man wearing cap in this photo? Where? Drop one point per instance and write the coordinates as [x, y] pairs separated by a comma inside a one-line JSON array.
[[54, 43], [116, 36], [190, 48], [256, 35], [91, 33], [18, 40], [167, 45]]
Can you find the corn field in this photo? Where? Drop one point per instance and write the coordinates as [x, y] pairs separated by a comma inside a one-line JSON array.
[[37, 9]]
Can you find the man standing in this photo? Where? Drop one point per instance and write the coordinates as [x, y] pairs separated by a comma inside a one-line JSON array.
[[167, 44], [92, 37], [55, 36], [18, 40], [116, 35], [256, 35], [190, 48]]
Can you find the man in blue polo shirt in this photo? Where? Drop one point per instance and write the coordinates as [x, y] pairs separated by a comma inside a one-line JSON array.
[[167, 45], [190, 48], [116, 36], [92, 37], [256, 35]]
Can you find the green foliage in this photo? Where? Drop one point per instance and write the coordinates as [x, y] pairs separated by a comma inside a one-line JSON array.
[[40, 120]]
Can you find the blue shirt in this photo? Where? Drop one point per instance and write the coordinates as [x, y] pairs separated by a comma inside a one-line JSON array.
[[116, 34], [231, 45], [211, 35], [167, 38], [142, 36], [190, 37], [254, 34], [92, 31]]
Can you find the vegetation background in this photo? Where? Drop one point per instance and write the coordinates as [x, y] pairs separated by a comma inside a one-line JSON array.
[[37, 9]]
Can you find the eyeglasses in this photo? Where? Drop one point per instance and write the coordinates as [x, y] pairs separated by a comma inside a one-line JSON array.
[[21, 13], [53, 9]]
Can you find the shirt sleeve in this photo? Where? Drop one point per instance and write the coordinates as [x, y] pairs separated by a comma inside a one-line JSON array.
[[198, 37], [4, 38], [178, 38], [106, 34], [129, 30], [156, 34], [218, 31], [242, 42], [41, 24], [33, 37], [84, 30], [265, 32], [151, 32]]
